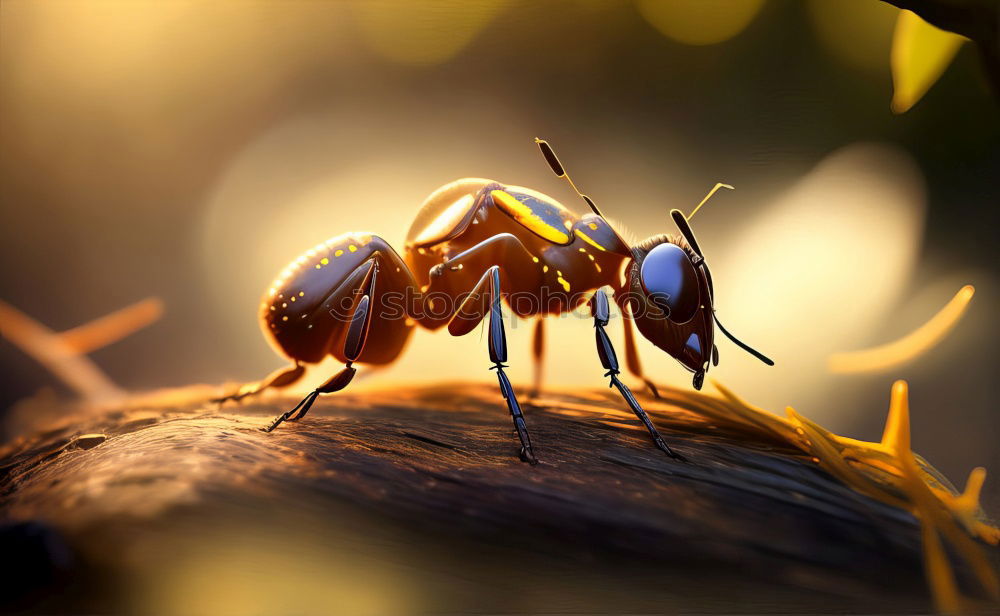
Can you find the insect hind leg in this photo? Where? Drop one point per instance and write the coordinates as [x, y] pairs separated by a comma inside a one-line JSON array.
[[354, 344], [337, 382], [276, 380]]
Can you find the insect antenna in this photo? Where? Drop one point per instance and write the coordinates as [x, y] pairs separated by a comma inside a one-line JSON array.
[[707, 197], [560, 171], [682, 224], [743, 345]]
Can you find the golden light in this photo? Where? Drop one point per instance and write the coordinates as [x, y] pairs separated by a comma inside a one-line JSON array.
[[422, 33], [814, 271], [909, 347], [252, 570], [699, 22], [123, 59]]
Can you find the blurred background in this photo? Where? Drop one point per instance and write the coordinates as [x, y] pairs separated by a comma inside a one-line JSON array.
[[189, 150]]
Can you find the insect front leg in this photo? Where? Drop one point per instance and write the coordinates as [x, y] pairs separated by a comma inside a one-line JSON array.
[[601, 312]]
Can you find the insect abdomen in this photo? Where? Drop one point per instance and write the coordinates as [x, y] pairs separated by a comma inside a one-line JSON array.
[[305, 312]]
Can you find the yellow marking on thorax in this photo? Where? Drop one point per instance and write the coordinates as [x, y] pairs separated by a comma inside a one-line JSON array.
[[583, 236], [524, 215]]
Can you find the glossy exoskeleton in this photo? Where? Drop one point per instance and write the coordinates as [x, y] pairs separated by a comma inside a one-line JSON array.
[[474, 242]]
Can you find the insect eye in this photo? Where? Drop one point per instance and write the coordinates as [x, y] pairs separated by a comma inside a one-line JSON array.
[[669, 278], [694, 344]]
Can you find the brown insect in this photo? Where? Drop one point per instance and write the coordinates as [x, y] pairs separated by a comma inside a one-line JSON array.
[[475, 242]]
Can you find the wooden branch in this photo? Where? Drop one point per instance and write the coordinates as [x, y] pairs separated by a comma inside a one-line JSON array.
[[422, 489]]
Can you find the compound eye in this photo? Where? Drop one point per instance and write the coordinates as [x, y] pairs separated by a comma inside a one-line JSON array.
[[668, 276]]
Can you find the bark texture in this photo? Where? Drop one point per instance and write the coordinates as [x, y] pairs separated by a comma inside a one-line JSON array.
[[413, 500]]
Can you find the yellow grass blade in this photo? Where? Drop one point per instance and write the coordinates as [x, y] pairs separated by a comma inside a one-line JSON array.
[[910, 346]]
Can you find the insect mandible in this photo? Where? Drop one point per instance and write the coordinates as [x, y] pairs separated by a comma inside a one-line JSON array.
[[473, 243]]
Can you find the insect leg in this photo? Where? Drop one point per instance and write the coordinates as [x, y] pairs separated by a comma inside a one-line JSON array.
[[354, 344], [632, 356], [335, 383], [503, 248], [485, 296], [538, 355], [279, 378], [601, 312]]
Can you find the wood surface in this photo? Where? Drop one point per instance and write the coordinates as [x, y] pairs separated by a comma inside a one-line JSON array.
[[413, 500]]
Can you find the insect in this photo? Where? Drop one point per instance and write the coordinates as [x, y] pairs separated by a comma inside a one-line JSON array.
[[473, 243]]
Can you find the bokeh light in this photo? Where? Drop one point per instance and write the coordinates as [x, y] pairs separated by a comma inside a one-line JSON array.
[[700, 22], [422, 33], [818, 269], [251, 569]]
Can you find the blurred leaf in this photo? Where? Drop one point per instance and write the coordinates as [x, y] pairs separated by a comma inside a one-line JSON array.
[[920, 54]]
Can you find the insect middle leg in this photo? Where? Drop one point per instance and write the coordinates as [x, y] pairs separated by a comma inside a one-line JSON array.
[[485, 297], [601, 312]]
